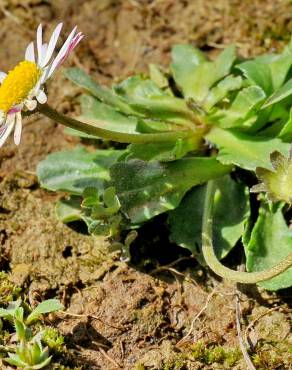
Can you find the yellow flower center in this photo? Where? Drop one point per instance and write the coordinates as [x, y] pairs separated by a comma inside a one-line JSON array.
[[18, 84]]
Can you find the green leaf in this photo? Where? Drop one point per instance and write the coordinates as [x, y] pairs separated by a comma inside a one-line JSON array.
[[185, 61], [15, 360], [242, 111], [136, 87], [9, 312], [73, 132], [280, 94], [69, 210], [50, 305], [94, 110], [258, 73], [99, 212], [286, 132], [219, 92], [158, 76], [194, 75], [148, 189], [280, 66], [244, 150], [147, 99], [231, 209], [270, 242], [115, 126], [73, 171], [163, 151], [103, 93]]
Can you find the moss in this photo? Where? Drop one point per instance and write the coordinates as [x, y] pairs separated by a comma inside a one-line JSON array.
[[54, 340], [215, 354], [140, 367], [273, 355], [8, 291]]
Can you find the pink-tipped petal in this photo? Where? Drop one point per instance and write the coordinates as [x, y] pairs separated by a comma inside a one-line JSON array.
[[40, 43], [2, 76], [62, 52], [52, 43], [71, 47], [18, 128], [15, 109], [29, 53]]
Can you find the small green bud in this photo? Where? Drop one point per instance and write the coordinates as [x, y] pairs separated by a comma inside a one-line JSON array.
[[277, 183]]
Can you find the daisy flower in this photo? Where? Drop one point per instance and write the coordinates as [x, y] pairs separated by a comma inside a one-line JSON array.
[[23, 87]]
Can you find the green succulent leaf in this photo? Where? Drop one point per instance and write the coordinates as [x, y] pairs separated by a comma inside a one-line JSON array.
[[99, 212], [185, 61], [158, 76], [221, 90], [280, 65], [257, 73], [269, 243], [231, 210], [286, 131], [15, 360], [194, 75], [280, 94], [69, 209], [50, 305], [146, 189], [74, 170], [242, 111], [245, 150], [9, 312]]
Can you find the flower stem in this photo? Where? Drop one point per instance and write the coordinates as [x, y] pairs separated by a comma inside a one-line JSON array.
[[121, 137], [216, 265]]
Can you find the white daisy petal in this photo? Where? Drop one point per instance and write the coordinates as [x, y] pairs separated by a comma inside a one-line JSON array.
[[44, 52], [18, 128], [41, 97], [29, 53], [62, 52], [40, 43], [2, 76], [52, 43], [31, 104], [5, 132], [44, 76]]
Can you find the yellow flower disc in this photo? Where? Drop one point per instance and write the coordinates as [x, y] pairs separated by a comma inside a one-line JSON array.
[[18, 84]]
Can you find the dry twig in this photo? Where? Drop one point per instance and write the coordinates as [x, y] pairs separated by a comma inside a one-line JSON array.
[[243, 349]]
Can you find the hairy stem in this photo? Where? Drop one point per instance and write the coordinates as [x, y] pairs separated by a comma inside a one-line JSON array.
[[121, 137], [216, 265]]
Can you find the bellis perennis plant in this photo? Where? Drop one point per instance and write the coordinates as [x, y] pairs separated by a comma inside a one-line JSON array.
[[23, 87], [196, 135]]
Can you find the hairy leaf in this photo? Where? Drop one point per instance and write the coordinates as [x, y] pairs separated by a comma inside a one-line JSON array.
[[73, 171], [244, 150], [148, 189], [269, 243], [231, 209]]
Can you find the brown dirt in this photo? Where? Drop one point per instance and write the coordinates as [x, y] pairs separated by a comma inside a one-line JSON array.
[[129, 319]]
